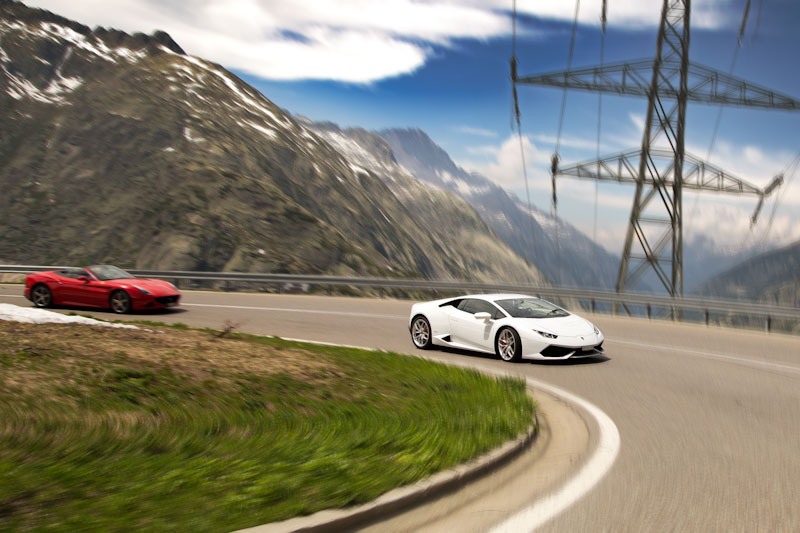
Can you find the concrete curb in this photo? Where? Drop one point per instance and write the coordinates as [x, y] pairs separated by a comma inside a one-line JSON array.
[[335, 520]]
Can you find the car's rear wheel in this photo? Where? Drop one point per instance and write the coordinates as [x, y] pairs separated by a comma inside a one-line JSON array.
[[508, 345], [421, 332], [120, 302], [41, 296]]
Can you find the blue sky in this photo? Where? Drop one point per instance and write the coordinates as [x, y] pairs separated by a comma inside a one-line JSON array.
[[442, 66]]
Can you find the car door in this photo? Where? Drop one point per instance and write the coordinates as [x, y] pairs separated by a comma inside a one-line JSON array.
[[80, 292], [69, 288], [470, 331]]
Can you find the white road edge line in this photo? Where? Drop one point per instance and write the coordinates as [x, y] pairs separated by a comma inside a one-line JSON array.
[[598, 465], [752, 363], [594, 470]]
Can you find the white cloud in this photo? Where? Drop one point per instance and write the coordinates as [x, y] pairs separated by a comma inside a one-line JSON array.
[[357, 41], [623, 13], [504, 163]]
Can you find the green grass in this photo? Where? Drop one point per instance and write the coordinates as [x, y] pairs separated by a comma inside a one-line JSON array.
[[108, 441]]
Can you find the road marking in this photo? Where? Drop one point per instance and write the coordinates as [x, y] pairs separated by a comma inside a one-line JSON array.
[[598, 465], [290, 310], [752, 363], [587, 477], [11, 296]]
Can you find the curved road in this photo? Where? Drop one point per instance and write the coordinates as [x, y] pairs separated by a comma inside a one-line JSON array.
[[709, 418]]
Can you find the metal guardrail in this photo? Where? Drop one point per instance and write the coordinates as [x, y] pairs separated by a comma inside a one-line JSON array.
[[647, 301]]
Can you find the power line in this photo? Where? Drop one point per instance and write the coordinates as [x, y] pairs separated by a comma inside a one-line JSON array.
[[513, 65]]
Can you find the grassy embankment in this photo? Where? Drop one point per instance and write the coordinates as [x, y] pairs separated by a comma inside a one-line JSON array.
[[175, 429]]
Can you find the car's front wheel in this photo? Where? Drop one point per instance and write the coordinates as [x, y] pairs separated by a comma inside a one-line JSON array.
[[120, 302], [421, 332], [508, 345], [41, 296]]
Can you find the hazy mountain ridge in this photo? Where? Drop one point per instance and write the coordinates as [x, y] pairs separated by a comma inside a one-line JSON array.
[[121, 148], [436, 210], [567, 258], [772, 277]]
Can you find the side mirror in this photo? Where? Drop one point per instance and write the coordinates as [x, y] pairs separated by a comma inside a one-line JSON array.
[[483, 316], [83, 279]]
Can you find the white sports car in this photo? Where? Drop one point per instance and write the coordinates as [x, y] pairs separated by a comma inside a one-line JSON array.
[[513, 326]]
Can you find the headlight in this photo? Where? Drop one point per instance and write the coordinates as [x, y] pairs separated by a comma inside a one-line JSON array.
[[546, 335], [144, 291], [596, 331]]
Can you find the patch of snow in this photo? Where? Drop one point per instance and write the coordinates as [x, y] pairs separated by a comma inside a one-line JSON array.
[[445, 176], [187, 134], [130, 55], [384, 215], [169, 149], [351, 150], [98, 48], [185, 69], [266, 131], [30, 315], [466, 189], [545, 221], [244, 97], [356, 168]]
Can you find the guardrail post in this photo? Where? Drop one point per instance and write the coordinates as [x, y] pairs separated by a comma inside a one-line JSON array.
[[592, 305], [706, 315], [649, 312], [769, 323]]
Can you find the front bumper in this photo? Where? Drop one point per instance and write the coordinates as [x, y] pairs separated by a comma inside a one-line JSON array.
[[564, 348]]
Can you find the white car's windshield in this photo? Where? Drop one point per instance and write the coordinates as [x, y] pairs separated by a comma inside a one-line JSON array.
[[530, 308], [106, 272]]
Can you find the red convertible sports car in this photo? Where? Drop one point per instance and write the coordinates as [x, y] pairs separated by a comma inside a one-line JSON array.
[[100, 286]]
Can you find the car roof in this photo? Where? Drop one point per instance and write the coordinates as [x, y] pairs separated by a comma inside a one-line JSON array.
[[498, 296]]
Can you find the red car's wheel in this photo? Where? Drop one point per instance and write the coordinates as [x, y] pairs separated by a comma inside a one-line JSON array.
[[41, 296], [120, 302]]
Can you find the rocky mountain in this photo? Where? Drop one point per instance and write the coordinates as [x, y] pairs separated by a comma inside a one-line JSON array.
[[772, 277], [433, 209], [568, 258], [122, 148]]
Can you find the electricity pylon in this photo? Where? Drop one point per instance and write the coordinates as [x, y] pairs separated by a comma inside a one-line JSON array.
[[663, 173]]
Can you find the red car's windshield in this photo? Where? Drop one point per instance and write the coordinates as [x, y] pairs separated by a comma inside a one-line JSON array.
[[106, 272]]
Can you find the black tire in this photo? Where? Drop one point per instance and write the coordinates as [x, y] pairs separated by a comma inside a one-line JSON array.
[[421, 333], [120, 302], [508, 346], [41, 296]]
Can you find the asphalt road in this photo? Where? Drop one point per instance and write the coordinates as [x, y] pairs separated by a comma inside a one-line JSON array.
[[709, 418]]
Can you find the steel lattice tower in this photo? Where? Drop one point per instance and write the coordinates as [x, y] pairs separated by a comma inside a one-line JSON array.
[[669, 82]]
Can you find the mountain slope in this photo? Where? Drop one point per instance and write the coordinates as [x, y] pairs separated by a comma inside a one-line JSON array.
[[121, 148], [772, 277], [434, 210], [567, 258]]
